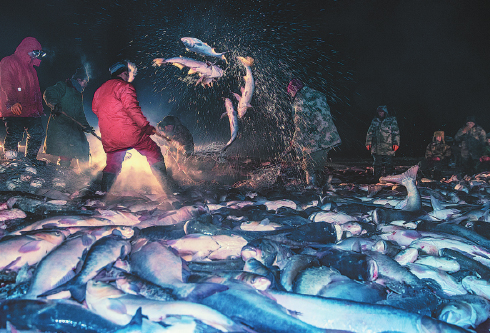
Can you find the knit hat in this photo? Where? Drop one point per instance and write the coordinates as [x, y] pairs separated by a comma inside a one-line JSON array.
[[118, 68], [471, 118], [383, 108]]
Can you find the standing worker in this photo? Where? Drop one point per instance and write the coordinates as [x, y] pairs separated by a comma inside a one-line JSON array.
[[383, 140], [21, 105], [123, 126], [65, 137], [315, 133], [472, 139]]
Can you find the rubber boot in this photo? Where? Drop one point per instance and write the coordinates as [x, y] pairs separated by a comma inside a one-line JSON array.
[[167, 183], [107, 181]]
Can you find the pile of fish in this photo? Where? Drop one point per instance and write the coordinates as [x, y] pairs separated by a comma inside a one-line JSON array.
[[208, 72], [402, 255]]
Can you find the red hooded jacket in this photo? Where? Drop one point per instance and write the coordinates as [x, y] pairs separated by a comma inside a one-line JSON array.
[[122, 124], [19, 82]]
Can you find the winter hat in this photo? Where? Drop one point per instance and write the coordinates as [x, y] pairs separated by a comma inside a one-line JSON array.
[[383, 108], [471, 118], [439, 133], [118, 68], [294, 86]]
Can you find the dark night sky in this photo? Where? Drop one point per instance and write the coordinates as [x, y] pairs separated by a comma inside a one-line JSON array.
[[427, 60]]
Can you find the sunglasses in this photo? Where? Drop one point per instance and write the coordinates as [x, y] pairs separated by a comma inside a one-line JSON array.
[[37, 54]]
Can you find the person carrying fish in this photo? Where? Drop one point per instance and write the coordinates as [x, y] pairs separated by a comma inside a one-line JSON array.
[[383, 140], [472, 139], [65, 137], [182, 143], [437, 155], [315, 133], [123, 126], [21, 105]]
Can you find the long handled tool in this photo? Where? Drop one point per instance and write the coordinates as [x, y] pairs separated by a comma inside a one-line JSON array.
[[80, 124]]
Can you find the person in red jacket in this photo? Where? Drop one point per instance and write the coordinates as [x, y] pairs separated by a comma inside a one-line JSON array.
[[21, 105], [123, 126]]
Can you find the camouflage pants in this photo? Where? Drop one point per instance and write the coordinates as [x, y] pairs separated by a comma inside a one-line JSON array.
[[15, 128], [383, 165], [315, 162]]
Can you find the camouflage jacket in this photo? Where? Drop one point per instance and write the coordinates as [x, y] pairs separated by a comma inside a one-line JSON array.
[[471, 142], [437, 149], [382, 135], [314, 127]]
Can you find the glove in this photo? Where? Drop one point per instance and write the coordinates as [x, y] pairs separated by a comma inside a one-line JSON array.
[[88, 129], [395, 147], [485, 159], [368, 147], [56, 110], [16, 109], [149, 130], [436, 158]]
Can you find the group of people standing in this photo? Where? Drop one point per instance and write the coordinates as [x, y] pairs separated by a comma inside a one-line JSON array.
[[123, 126]]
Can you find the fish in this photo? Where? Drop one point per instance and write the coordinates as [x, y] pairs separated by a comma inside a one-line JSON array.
[[233, 119], [28, 249], [199, 247], [338, 314], [102, 253], [115, 305], [356, 266], [413, 201], [60, 316], [246, 92], [207, 72], [448, 284], [196, 45], [466, 311]]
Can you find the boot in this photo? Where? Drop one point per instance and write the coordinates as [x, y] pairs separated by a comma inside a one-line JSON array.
[[107, 181], [167, 183], [377, 173]]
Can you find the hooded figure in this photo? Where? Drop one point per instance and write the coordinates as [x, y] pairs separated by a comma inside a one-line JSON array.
[[437, 155], [21, 100], [315, 132], [383, 140], [64, 137], [472, 140]]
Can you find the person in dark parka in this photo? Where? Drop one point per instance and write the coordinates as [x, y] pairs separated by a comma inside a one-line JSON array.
[[64, 137]]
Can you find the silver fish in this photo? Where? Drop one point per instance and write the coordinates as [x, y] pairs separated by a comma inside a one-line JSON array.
[[407, 179], [198, 46], [233, 118], [246, 97], [207, 71]]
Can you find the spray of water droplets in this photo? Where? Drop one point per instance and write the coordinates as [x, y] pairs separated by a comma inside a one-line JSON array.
[[282, 44]]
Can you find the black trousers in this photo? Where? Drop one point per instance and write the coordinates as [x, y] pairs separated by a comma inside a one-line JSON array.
[[16, 126], [383, 165]]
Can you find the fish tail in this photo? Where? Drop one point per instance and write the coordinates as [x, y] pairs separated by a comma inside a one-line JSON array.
[[409, 174], [248, 61]]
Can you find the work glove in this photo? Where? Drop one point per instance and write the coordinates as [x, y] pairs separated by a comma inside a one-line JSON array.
[[368, 147], [16, 109], [436, 158], [395, 147], [485, 159], [88, 129], [149, 130], [56, 110]]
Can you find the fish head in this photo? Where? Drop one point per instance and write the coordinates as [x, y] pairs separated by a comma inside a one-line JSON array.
[[190, 42], [53, 236], [100, 290]]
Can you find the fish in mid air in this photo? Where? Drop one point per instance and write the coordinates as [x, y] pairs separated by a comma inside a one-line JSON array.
[[233, 118], [407, 179], [247, 92], [198, 46], [206, 70]]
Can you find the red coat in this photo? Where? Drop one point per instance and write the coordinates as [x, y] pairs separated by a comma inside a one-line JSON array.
[[121, 122], [19, 82]]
